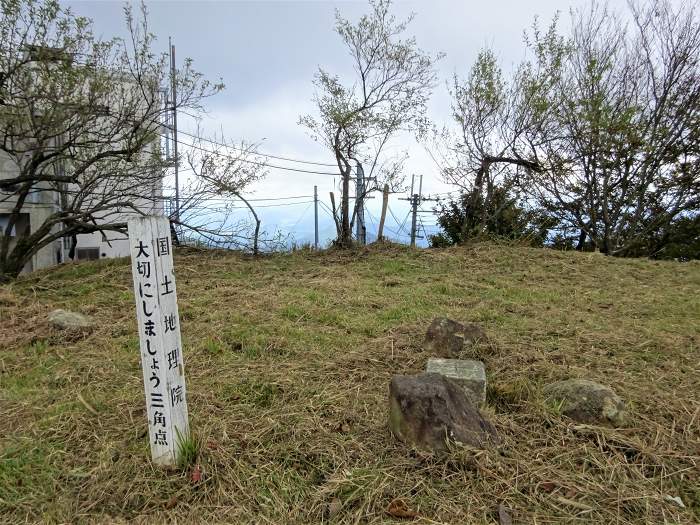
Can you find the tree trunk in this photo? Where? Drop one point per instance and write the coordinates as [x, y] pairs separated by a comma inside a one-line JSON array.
[[606, 248], [581, 240], [255, 238], [477, 197], [335, 215], [257, 223], [346, 233], [74, 245], [173, 234], [11, 265]]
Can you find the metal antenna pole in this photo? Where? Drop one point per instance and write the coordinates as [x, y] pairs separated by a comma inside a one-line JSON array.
[[316, 217], [173, 84]]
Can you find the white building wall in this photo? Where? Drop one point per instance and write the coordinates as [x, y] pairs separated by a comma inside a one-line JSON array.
[[44, 203], [39, 206], [111, 244]]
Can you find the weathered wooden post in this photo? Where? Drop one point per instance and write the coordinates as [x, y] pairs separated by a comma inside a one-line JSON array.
[[382, 218], [159, 335]]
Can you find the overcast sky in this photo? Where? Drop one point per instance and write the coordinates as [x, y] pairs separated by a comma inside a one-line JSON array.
[[267, 53]]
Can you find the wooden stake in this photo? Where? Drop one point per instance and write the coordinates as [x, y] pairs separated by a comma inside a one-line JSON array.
[[385, 204]]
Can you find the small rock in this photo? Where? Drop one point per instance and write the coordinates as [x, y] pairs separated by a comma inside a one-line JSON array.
[[469, 373], [430, 410], [587, 402], [66, 320], [447, 338]]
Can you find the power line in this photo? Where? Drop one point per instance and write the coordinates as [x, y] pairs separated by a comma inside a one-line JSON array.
[[404, 221], [398, 234], [392, 214], [326, 208], [301, 217], [222, 199], [200, 205], [279, 157], [372, 220], [204, 207], [445, 193], [261, 164], [399, 224], [281, 198]]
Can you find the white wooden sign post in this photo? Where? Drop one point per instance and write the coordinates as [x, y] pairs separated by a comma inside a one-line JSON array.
[[159, 335]]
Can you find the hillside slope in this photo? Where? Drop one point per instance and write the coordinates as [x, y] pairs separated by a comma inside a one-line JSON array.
[[288, 364]]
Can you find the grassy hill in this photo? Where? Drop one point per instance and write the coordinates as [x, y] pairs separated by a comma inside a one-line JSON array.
[[288, 361]]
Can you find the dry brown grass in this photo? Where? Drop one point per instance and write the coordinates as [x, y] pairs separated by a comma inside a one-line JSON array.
[[288, 364]]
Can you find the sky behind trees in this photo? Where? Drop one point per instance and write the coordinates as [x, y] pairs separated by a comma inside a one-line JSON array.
[[267, 53]]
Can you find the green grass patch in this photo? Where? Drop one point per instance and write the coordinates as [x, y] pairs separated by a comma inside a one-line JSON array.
[[288, 360]]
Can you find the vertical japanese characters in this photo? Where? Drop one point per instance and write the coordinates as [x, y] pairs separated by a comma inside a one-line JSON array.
[[159, 336]]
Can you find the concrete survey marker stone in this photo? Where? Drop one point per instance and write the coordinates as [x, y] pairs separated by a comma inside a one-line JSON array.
[[468, 373]]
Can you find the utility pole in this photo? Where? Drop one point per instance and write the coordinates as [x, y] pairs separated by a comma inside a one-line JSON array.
[[360, 229], [415, 199], [173, 84], [316, 217]]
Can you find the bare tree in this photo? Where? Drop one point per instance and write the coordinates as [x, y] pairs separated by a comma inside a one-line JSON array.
[[79, 125], [393, 80], [481, 154], [600, 127], [622, 135], [220, 173]]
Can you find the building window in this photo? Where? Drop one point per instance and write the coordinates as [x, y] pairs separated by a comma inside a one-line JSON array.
[[88, 254]]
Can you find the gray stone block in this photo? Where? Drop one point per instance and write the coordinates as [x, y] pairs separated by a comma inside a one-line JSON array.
[[468, 373]]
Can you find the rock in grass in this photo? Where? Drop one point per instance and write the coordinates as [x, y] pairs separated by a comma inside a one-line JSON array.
[[468, 373], [446, 338], [71, 321], [587, 402], [430, 411]]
